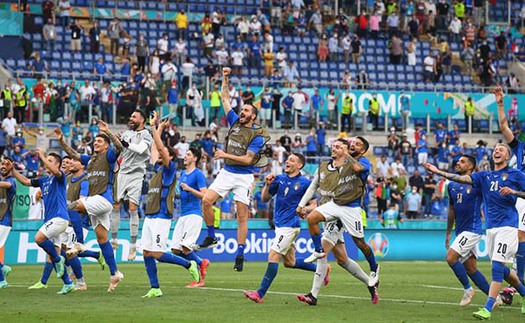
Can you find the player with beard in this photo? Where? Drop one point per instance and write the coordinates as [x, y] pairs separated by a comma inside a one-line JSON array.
[[7, 196], [135, 155], [242, 155]]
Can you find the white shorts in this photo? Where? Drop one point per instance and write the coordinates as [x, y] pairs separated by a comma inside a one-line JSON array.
[[4, 232], [129, 187], [240, 184], [68, 238], [422, 158], [53, 229], [520, 207], [284, 239], [155, 233], [333, 233], [465, 245], [350, 216], [99, 210], [502, 244], [186, 232]]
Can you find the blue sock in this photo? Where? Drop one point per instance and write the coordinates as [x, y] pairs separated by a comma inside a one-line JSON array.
[[49, 248], [1, 272], [490, 303], [506, 272], [461, 274], [193, 256], [372, 261], [151, 270], [480, 281], [269, 276], [76, 266], [498, 271], [211, 231], [48, 269], [521, 290], [173, 259], [65, 278], [316, 238], [89, 254], [300, 264], [520, 261], [240, 250], [109, 256]]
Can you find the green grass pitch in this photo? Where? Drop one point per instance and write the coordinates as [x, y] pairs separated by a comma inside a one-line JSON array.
[[410, 292]]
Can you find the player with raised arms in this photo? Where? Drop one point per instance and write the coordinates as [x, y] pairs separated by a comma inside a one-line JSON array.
[[243, 153], [499, 189], [465, 213], [288, 189]]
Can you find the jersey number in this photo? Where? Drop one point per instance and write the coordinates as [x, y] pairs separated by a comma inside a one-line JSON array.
[[358, 226], [463, 241], [494, 186], [502, 248], [158, 238], [460, 198]]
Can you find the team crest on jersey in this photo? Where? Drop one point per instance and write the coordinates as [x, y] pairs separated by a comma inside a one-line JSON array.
[[504, 176], [469, 189], [296, 186]]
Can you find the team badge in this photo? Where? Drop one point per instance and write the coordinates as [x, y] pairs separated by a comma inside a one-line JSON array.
[[469, 189], [296, 186], [504, 176]]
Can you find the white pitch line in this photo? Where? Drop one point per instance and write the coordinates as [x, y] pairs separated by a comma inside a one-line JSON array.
[[444, 287]]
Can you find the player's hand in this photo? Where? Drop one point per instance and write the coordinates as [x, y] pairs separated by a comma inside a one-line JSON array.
[[164, 124], [185, 187], [40, 152], [38, 195], [102, 126], [431, 168], [153, 119], [300, 211], [219, 153], [58, 133], [269, 179], [498, 93], [504, 191], [226, 71]]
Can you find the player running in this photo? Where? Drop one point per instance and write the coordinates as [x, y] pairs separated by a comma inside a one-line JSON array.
[[135, 154], [99, 202], [56, 219], [159, 213], [465, 213], [245, 140], [7, 196], [288, 189], [499, 189]]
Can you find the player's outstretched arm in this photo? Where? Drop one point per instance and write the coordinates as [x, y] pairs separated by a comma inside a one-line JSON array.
[[502, 118], [21, 178], [102, 126], [504, 191], [69, 151], [53, 169], [225, 93], [243, 160], [163, 152], [464, 179]]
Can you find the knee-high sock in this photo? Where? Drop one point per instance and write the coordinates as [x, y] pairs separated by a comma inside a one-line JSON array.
[[65, 278], [240, 250], [300, 264], [48, 269], [76, 266], [269, 276], [109, 256], [461, 274], [192, 256], [151, 270], [316, 239], [520, 261], [371, 258], [49, 248], [133, 227], [89, 254], [114, 224], [480, 281], [353, 268], [173, 259], [319, 276]]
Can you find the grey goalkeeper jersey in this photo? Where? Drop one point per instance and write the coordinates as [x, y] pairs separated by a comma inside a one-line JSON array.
[[131, 160]]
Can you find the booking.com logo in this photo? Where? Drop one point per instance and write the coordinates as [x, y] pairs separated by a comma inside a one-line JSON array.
[[379, 243]]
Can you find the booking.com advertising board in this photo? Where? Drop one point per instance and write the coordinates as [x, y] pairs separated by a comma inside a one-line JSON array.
[[387, 245]]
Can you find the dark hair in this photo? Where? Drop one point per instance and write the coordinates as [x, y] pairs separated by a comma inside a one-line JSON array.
[[66, 157], [365, 143], [104, 136], [254, 109], [471, 159], [142, 113], [172, 152], [196, 153], [301, 158], [8, 158], [345, 142], [57, 157]]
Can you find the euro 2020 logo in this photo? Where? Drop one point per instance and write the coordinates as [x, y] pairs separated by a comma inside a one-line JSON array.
[[379, 243]]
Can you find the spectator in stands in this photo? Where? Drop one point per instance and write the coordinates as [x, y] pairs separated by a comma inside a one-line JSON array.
[[237, 61], [169, 74], [287, 105], [346, 45], [362, 24], [405, 150], [100, 68], [446, 61], [194, 103], [333, 48], [431, 20], [248, 97], [48, 11], [322, 48], [141, 52], [416, 181], [163, 47], [6, 99], [266, 107], [114, 33], [393, 141], [331, 106], [76, 36], [488, 72], [276, 103], [373, 111], [429, 65], [454, 135], [512, 84], [383, 167], [502, 44], [428, 193], [21, 101], [316, 22], [39, 67], [455, 29], [181, 20], [218, 19], [396, 49], [297, 145], [316, 105], [413, 204], [106, 98], [467, 56], [268, 58], [9, 125], [254, 53], [411, 52], [346, 82], [49, 34], [291, 75], [346, 113], [392, 23], [382, 194], [64, 6], [94, 38], [311, 146], [438, 68], [357, 48], [179, 52], [422, 150], [397, 168], [442, 9]]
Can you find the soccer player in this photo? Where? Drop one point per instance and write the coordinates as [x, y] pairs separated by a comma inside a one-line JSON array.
[[341, 184], [245, 140], [7, 196], [188, 228], [288, 189], [518, 148], [465, 212], [159, 213], [135, 154], [499, 189], [56, 219], [99, 202]]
